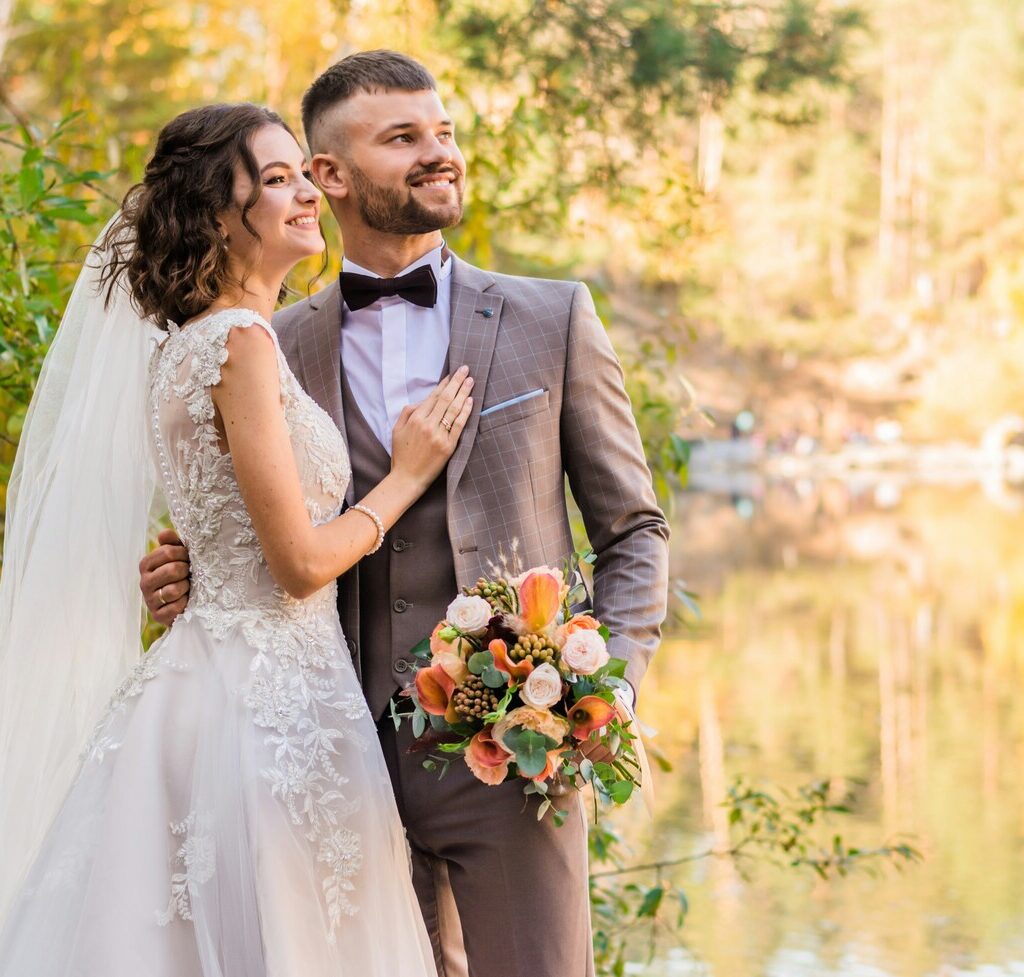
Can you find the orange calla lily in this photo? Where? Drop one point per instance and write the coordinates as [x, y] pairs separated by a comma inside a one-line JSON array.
[[518, 670], [540, 595], [486, 758], [434, 688], [589, 714]]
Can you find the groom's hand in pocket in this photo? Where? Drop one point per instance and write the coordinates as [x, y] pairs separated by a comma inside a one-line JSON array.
[[163, 578]]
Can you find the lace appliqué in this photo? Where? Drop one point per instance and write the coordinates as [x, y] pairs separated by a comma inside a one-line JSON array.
[[292, 692], [105, 737], [196, 859]]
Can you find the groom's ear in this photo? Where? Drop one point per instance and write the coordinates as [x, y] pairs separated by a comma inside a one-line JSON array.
[[329, 175]]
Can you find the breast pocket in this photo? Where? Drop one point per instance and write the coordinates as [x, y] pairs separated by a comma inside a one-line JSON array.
[[513, 409]]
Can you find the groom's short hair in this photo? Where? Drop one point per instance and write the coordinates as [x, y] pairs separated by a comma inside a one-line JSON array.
[[367, 71]]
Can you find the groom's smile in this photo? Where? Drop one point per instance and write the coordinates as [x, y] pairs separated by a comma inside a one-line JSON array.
[[391, 158]]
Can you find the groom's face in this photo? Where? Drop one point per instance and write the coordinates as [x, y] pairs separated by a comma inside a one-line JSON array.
[[390, 160]]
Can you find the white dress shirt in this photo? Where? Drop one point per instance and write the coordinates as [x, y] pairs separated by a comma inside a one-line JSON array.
[[392, 351]]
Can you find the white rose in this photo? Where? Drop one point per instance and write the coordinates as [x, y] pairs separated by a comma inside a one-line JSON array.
[[585, 652], [469, 614], [543, 687]]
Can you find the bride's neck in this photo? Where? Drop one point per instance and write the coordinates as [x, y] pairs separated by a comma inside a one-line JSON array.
[[255, 293]]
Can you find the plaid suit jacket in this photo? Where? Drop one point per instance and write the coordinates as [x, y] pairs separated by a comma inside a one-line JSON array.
[[549, 403]]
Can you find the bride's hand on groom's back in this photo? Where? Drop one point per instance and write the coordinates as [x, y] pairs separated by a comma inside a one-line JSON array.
[[163, 578]]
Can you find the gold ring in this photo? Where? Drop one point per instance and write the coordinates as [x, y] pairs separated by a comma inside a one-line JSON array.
[[446, 425], [160, 594]]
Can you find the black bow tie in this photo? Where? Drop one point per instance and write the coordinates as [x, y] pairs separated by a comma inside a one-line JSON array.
[[419, 286]]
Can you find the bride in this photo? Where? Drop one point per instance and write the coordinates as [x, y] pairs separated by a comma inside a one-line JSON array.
[[229, 813]]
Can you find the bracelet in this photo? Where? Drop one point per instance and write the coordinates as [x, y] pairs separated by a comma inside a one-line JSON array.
[[367, 511]]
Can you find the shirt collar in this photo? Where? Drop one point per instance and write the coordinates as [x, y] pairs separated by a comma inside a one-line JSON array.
[[442, 270]]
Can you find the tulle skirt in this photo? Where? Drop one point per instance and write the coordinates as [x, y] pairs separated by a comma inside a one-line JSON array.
[[197, 841]]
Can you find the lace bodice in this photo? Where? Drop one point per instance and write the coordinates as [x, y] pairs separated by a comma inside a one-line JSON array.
[[230, 581]]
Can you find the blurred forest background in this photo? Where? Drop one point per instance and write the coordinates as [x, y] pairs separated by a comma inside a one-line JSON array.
[[815, 203], [803, 223]]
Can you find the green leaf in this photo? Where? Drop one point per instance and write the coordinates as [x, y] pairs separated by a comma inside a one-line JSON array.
[[421, 649], [620, 791], [616, 667], [651, 902], [480, 661], [419, 724], [530, 749], [493, 677], [30, 186]]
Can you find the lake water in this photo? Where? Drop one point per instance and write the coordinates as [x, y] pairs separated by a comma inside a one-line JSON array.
[[867, 633]]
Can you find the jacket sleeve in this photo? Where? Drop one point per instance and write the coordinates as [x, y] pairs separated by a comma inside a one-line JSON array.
[[608, 475]]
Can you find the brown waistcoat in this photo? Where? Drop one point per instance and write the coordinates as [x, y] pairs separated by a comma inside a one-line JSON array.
[[405, 587]]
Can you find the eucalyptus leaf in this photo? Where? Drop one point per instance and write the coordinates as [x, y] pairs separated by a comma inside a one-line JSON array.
[[480, 661], [530, 749], [493, 677]]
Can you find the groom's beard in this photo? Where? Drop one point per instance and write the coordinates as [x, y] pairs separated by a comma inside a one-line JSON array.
[[386, 209]]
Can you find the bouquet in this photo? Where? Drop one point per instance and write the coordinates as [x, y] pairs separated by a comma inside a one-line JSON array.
[[516, 683]]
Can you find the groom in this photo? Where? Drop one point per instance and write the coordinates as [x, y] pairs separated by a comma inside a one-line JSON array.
[[549, 402]]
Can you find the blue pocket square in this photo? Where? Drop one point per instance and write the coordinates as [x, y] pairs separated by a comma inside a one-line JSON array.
[[514, 400]]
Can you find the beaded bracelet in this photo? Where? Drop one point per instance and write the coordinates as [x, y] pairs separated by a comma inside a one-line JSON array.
[[367, 511]]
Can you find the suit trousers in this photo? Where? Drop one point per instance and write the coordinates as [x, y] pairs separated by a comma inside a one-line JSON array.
[[473, 846]]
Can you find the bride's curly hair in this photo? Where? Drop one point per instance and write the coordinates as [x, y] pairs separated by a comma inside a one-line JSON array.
[[165, 241]]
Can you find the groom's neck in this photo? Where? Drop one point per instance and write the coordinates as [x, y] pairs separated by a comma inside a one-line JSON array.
[[388, 254]]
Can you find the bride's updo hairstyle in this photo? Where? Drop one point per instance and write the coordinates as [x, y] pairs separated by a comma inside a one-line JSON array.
[[166, 242]]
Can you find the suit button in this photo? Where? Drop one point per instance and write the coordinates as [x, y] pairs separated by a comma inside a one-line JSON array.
[[352, 646], [400, 606], [398, 545], [402, 665]]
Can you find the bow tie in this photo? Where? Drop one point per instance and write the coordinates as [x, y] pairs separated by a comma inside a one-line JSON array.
[[419, 286]]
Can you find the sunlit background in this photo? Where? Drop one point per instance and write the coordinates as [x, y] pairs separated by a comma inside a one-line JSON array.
[[804, 223]]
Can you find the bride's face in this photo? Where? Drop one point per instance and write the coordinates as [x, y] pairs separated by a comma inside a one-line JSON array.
[[286, 216]]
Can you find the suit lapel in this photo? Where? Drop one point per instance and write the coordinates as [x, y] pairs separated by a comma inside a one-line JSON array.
[[320, 357], [474, 330]]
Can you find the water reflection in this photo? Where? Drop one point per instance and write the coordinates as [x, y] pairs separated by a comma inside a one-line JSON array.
[[849, 632]]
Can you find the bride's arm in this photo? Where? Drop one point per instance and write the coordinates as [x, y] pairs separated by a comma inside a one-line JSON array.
[[302, 557]]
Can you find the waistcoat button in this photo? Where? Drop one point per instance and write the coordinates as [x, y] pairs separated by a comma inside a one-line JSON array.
[[401, 665], [398, 545], [400, 606]]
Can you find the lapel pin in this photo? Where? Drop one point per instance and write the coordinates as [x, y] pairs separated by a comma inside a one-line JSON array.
[[487, 313]]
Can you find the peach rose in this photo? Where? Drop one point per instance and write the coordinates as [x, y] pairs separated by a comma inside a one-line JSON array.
[[581, 622], [453, 664], [486, 758], [469, 614], [542, 688], [584, 652]]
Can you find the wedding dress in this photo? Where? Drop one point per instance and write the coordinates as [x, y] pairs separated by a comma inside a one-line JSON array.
[[232, 814]]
